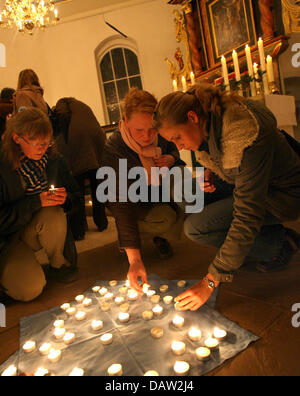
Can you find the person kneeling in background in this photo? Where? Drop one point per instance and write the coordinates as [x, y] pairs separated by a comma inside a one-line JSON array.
[[33, 217]]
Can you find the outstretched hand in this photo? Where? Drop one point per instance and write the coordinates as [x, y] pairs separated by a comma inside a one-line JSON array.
[[193, 298]]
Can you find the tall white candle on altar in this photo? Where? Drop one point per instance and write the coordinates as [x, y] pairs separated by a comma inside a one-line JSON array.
[[270, 70], [175, 88], [183, 80], [250, 69], [261, 53], [236, 66], [192, 78], [225, 73], [263, 65]]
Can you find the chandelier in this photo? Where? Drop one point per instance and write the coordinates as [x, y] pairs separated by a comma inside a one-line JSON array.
[[28, 15]]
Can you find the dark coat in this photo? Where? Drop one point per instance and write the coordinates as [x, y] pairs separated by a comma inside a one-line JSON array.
[[247, 150], [126, 213], [17, 209], [80, 136]]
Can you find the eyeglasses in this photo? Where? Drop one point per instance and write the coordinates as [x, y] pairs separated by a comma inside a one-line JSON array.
[[42, 146]]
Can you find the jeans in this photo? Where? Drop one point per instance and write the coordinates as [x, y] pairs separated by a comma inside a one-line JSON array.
[[210, 227]]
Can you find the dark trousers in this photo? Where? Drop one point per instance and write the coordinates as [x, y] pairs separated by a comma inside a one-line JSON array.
[[78, 221]]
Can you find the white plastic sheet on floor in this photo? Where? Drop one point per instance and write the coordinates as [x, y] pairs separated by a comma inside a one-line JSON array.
[[132, 346]]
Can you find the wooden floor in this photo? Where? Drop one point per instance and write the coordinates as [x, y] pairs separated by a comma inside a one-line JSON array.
[[261, 303]]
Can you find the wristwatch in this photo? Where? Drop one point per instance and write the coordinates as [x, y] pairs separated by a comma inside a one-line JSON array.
[[210, 283]]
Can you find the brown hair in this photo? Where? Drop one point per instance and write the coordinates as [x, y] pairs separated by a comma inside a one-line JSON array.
[[31, 123], [203, 99], [28, 78], [137, 101]]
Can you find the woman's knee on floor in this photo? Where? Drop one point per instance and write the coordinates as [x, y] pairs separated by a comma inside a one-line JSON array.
[[28, 288]]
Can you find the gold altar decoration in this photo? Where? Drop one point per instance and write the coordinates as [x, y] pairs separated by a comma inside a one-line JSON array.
[[28, 15], [291, 16], [181, 76]]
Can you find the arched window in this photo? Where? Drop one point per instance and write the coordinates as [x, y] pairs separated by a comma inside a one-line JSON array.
[[119, 70], [2, 55]]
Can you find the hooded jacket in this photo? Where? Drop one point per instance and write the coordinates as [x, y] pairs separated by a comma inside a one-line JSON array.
[[30, 97], [247, 150]]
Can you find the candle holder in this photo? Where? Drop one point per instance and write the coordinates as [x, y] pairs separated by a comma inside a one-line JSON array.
[[274, 90]]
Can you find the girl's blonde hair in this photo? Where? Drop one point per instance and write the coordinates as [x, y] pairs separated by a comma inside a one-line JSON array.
[[203, 99], [31, 123], [137, 101], [28, 78]]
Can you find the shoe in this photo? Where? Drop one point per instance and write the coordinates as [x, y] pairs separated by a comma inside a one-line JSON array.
[[103, 226], [163, 248], [63, 275], [290, 246]]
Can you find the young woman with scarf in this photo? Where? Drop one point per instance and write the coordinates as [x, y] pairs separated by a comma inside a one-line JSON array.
[[238, 140], [141, 146], [31, 216]]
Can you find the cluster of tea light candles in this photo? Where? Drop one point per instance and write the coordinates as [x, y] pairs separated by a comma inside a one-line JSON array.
[[252, 68], [177, 347]]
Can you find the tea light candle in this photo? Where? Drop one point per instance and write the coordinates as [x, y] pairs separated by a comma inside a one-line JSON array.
[[178, 347], [178, 321], [103, 291], [76, 372], [113, 283], [123, 290], [155, 299], [65, 306], [115, 370], [194, 334], [41, 372], [164, 288], [80, 315], [69, 338], [96, 289], [168, 299], [54, 355], [71, 311], [151, 293], [203, 353], [157, 310], [127, 283], [211, 343], [132, 295], [11, 371], [108, 296], [219, 334], [147, 315], [119, 300], [181, 283], [52, 189], [124, 307], [151, 373], [124, 317], [45, 349], [87, 302], [157, 332], [105, 306], [97, 325], [145, 288], [79, 299], [59, 323], [29, 346], [181, 368], [59, 333], [106, 339]]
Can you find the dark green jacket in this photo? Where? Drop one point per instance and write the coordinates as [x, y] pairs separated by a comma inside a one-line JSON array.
[[246, 149], [17, 209]]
